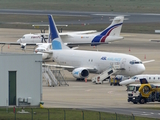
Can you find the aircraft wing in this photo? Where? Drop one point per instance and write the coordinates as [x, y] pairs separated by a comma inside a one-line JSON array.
[[69, 67], [77, 44], [16, 43], [38, 26], [155, 40], [148, 61]]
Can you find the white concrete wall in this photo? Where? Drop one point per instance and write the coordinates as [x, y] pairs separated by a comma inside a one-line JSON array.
[[29, 77]]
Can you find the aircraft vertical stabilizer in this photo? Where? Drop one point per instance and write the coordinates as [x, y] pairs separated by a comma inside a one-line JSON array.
[[115, 28], [56, 41]]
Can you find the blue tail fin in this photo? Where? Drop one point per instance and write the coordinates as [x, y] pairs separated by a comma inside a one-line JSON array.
[[56, 41]]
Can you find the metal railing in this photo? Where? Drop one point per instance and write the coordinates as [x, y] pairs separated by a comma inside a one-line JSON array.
[[58, 114]]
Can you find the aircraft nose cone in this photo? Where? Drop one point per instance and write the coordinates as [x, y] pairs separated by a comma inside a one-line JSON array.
[[125, 82], [141, 69]]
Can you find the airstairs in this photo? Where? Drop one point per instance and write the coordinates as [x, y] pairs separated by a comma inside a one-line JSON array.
[[60, 77], [98, 79], [53, 76]]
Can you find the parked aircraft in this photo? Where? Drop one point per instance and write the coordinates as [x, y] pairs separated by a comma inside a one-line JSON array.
[[152, 78], [42, 48], [110, 34], [81, 62]]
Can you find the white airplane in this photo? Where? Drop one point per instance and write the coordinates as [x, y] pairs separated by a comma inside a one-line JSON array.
[[110, 34], [151, 78], [42, 48], [81, 62]]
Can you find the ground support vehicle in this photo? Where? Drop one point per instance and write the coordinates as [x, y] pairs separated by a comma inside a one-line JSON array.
[[135, 96]]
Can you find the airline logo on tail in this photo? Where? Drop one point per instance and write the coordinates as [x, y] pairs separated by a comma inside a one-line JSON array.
[[102, 37], [57, 43], [53, 34]]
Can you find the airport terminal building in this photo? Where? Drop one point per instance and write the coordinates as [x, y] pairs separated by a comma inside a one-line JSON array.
[[20, 79]]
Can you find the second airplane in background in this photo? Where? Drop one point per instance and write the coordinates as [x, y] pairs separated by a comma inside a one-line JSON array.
[[152, 78], [110, 34]]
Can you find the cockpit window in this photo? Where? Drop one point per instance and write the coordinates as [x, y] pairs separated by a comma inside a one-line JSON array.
[[135, 62], [23, 37]]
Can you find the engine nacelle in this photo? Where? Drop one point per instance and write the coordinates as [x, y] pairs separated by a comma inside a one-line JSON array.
[[23, 46], [44, 55], [80, 73]]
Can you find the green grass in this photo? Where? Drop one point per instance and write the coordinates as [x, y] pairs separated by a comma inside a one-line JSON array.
[[17, 21], [21, 21], [63, 114], [85, 5]]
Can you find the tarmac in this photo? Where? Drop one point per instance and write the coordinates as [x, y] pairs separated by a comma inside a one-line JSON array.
[[87, 95]]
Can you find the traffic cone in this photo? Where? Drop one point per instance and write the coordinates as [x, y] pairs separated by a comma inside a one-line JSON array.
[[85, 79], [8, 46], [144, 56], [129, 49]]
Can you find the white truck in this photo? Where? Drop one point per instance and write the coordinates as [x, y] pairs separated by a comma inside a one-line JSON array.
[[135, 96]]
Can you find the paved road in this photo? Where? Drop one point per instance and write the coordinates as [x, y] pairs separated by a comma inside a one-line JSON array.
[[130, 111], [103, 97], [94, 17]]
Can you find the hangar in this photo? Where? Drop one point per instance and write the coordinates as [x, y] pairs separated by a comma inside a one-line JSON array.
[[20, 79]]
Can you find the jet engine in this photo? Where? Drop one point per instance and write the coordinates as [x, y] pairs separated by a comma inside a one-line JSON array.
[[23, 46], [44, 55], [80, 73]]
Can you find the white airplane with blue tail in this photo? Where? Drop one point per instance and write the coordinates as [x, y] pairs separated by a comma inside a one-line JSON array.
[[81, 62]]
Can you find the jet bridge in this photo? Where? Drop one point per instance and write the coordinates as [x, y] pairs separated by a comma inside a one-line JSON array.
[[53, 76], [98, 79]]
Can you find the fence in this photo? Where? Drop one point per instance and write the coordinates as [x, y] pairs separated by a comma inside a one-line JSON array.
[[58, 114]]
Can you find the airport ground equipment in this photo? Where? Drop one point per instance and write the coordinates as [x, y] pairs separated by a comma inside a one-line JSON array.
[[135, 96], [53, 76], [115, 81], [98, 79]]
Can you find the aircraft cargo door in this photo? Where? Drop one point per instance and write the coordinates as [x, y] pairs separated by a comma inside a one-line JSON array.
[[123, 63], [12, 87]]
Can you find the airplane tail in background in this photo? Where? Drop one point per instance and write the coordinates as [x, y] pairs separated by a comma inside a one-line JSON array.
[[56, 41], [113, 31], [115, 28]]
